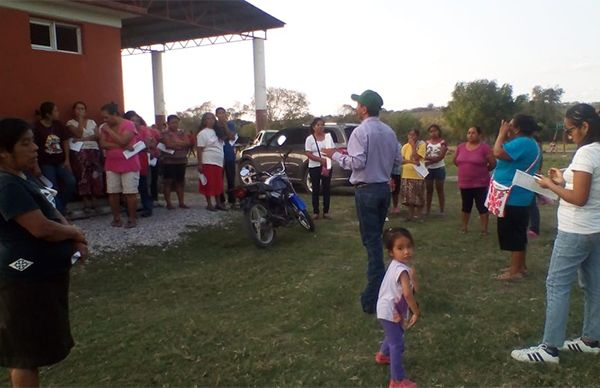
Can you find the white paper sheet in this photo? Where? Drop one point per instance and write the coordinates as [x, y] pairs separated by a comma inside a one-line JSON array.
[[137, 147], [328, 163], [164, 148], [75, 145], [528, 182], [232, 142], [152, 161], [421, 169]]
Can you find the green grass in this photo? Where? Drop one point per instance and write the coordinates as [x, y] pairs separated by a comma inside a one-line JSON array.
[[215, 310]]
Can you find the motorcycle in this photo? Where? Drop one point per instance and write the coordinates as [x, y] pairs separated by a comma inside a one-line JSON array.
[[270, 201]]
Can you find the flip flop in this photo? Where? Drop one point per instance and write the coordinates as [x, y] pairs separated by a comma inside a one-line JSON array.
[[130, 224], [116, 223]]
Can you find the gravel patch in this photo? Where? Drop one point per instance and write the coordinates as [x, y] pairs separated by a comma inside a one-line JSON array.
[[164, 227]]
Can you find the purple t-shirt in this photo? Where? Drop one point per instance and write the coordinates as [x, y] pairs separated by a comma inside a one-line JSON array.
[[473, 166]]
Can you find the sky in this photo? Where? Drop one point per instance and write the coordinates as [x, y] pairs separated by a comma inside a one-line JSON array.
[[411, 52]]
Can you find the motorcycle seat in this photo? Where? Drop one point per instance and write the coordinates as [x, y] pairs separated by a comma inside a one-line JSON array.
[[258, 187]]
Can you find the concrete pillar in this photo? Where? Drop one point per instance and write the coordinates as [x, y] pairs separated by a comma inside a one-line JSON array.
[[260, 83], [159, 93]]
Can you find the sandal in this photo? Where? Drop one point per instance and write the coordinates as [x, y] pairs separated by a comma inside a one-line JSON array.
[[184, 206], [116, 223], [211, 209], [170, 207], [326, 216], [507, 276], [130, 224]]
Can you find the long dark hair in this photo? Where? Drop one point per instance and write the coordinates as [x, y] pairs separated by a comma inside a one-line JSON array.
[[112, 108], [45, 109], [11, 130], [526, 124], [585, 113]]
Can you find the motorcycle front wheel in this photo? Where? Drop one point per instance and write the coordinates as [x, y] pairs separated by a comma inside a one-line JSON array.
[[305, 220], [259, 227]]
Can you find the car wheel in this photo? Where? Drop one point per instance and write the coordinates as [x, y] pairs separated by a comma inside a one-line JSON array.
[[306, 182], [252, 172]]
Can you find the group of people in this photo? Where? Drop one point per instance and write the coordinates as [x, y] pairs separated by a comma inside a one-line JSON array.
[[83, 157], [41, 166], [39, 245], [373, 154]]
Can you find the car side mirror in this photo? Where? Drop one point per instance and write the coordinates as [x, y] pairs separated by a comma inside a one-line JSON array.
[[281, 140]]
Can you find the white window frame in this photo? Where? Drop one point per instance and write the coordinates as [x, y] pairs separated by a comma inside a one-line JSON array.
[[52, 26]]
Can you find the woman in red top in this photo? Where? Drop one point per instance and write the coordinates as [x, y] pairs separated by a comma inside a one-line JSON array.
[[122, 174], [144, 135], [474, 160]]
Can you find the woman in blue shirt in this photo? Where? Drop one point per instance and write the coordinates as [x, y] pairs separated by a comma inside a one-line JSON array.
[[515, 149]]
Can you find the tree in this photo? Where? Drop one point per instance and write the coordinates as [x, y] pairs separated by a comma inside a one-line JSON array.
[[402, 122], [545, 106], [190, 118], [480, 103]]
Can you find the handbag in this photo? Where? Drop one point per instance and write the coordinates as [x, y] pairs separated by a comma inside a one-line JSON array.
[[324, 170], [497, 195]]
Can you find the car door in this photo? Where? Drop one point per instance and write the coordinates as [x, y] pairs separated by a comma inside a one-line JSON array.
[[267, 156]]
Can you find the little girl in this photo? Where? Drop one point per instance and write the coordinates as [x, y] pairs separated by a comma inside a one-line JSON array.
[[395, 303]]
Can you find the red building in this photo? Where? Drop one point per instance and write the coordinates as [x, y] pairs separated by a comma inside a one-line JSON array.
[[64, 51]]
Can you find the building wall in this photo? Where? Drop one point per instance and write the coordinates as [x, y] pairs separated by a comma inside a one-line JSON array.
[[29, 77]]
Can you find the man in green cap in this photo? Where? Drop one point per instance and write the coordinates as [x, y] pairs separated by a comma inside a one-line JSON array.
[[372, 152]]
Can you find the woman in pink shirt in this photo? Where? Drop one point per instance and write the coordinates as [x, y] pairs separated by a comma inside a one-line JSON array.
[[474, 160], [122, 174]]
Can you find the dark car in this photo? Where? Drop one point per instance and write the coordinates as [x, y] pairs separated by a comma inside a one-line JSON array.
[[263, 157]]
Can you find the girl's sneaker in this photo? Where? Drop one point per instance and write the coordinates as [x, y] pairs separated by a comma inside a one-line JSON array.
[[579, 346], [406, 383], [536, 354], [381, 358]]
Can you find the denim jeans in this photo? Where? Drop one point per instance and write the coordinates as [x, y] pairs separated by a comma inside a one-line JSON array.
[[372, 203], [572, 251], [393, 347], [145, 197], [56, 173]]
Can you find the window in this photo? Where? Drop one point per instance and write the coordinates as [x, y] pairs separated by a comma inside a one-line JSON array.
[[54, 36]]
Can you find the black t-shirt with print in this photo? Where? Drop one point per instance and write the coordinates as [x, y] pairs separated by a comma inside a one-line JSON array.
[[50, 142], [21, 254]]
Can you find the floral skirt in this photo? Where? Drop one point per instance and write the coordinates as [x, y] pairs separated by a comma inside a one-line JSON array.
[[89, 177], [412, 192]]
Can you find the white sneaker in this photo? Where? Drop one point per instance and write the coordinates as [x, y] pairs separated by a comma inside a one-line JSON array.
[[578, 346], [534, 354]]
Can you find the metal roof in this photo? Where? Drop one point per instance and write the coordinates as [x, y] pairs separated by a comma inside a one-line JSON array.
[[153, 22]]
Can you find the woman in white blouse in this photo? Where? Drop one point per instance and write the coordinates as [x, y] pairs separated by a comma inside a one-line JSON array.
[[84, 148], [319, 166]]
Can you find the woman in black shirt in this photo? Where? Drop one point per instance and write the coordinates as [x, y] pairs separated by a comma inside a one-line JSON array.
[[36, 245]]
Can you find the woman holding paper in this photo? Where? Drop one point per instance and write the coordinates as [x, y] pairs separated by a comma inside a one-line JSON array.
[[122, 174], [413, 173], [515, 149], [144, 135], [319, 166], [577, 243], [84, 147], [210, 162], [36, 246]]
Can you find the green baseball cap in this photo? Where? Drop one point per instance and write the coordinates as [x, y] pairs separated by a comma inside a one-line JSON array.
[[372, 100]]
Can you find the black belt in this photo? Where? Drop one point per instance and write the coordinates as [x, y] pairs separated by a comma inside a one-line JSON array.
[[358, 185]]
